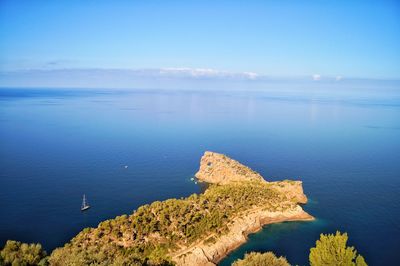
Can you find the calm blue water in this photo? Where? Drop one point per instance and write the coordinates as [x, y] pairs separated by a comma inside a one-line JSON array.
[[344, 145]]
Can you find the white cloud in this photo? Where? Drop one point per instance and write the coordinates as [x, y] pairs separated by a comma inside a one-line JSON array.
[[205, 73], [316, 77], [339, 78], [251, 75], [123, 78]]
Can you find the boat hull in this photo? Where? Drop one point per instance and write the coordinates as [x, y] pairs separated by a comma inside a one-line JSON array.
[[85, 208]]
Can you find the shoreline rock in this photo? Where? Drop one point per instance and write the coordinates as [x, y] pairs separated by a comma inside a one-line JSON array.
[[203, 254], [220, 169], [216, 168], [198, 230]]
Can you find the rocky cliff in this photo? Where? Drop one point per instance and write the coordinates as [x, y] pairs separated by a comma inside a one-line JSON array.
[[209, 254], [197, 230], [219, 169], [216, 168]]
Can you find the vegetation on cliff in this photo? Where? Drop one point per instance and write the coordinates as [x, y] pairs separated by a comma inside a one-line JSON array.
[[156, 231], [161, 233], [261, 259], [332, 250], [22, 254], [153, 231]]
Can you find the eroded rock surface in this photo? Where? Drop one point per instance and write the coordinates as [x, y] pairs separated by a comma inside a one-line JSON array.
[[207, 254], [198, 230], [218, 168]]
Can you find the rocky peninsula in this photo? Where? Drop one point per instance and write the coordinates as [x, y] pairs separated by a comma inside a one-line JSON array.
[[198, 230], [219, 169]]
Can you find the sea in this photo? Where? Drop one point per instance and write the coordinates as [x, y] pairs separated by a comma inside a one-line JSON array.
[[126, 148]]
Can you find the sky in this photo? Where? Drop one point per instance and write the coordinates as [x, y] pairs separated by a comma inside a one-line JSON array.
[[243, 40]]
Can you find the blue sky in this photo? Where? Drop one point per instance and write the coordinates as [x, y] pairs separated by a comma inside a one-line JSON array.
[[358, 39]]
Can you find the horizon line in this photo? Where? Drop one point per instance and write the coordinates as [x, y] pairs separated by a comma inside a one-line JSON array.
[[200, 73]]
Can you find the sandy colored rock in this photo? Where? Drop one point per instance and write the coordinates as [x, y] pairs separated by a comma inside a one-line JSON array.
[[292, 189], [206, 254], [217, 168], [239, 202]]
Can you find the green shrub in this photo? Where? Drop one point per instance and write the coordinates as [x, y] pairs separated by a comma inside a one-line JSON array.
[[261, 259], [17, 253], [331, 250], [154, 230]]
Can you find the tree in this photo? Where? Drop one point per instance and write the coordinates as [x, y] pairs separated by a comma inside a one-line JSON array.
[[261, 259], [331, 250], [17, 253]]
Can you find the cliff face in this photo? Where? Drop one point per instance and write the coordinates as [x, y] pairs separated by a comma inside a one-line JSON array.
[[209, 254], [194, 231], [292, 189], [219, 169], [216, 168]]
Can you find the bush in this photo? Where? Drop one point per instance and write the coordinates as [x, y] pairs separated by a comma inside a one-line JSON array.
[[331, 250], [17, 253], [261, 259], [154, 230]]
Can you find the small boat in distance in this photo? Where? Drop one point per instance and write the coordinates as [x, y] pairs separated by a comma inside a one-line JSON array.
[[85, 204]]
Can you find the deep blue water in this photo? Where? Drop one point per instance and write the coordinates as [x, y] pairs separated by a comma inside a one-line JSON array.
[[344, 144]]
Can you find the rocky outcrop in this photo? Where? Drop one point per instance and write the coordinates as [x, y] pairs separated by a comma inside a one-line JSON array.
[[292, 189], [194, 231], [207, 254], [217, 168]]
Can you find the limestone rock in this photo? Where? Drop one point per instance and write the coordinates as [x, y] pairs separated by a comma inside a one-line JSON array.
[[217, 168], [203, 254], [292, 189]]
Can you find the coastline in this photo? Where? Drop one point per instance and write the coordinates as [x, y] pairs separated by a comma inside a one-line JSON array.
[[203, 254], [219, 169], [199, 230]]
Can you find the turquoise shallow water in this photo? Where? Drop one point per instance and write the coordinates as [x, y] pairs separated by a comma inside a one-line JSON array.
[[343, 144]]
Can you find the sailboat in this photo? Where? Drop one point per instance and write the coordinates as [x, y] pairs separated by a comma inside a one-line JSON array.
[[85, 204]]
